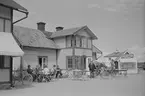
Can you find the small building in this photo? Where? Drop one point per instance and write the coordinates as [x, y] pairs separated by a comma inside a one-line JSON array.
[[8, 46], [126, 60]]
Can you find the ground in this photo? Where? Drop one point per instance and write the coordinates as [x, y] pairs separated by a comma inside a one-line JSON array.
[[133, 85]]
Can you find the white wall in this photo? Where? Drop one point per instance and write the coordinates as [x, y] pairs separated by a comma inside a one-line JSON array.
[[81, 52], [62, 57], [4, 75], [31, 57], [60, 41], [83, 33]]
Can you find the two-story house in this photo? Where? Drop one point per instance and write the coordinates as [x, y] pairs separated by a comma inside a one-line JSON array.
[[69, 48], [8, 46], [75, 46]]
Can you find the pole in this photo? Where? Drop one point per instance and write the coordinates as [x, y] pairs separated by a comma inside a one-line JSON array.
[[21, 69]]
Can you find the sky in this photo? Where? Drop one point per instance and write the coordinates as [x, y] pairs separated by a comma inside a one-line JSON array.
[[118, 24]]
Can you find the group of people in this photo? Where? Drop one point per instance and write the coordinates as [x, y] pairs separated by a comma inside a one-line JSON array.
[[96, 67], [55, 71]]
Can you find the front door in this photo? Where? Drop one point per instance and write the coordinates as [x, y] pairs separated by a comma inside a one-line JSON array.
[[43, 60]]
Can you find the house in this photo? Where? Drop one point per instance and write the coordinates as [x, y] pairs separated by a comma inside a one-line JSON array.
[[38, 49], [126, 60], [8, 46], [69, 48]]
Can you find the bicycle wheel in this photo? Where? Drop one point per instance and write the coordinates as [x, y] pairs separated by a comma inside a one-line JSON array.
[[105, 75], [28, 79]]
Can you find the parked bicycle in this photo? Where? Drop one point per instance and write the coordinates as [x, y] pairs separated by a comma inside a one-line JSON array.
[[21, 77]]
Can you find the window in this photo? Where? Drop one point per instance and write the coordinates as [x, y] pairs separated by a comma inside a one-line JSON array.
[[43, 60], [78, 41], [5, 19], [89, 43], [5, 62], [68, 41], [1, 25], [7, 26], [5, 12], [69, 62], [128, 65], [79, 62]]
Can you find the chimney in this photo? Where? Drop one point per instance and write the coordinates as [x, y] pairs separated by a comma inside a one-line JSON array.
[[41, 26], [59, 28]]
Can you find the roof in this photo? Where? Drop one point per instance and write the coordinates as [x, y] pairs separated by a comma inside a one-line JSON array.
[[95, 49], [10, 48], [48, 34], [12, 4], [114, 54], [72, 31], [33, 38], [120, 54]]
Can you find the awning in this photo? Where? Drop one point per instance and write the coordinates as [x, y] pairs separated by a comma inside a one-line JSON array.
[[13, 4], [8, 45]]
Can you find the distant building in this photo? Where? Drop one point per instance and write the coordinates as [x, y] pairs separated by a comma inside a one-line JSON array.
[[126, 60]]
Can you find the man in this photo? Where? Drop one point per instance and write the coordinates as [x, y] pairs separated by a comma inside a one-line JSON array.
[[58, 71], [92, 69], [30, 71]]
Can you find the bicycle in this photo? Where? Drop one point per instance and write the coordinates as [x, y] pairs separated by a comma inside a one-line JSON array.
[[24, 77]]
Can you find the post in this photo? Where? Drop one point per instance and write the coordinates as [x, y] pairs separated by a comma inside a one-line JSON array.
[[21, 69]]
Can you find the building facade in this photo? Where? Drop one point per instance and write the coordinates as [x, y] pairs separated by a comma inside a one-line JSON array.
[[8, 45]]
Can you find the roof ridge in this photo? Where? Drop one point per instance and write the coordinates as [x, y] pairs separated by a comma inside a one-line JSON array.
[[31, 28], [70, 28]]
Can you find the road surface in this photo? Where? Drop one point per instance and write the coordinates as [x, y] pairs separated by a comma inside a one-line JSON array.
[[133, 85]]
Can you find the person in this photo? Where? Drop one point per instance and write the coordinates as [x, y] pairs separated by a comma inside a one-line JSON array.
[[53, 70], [112, 64], [38, 69], [92, 69], [58, 71], [45, 70], [30, 71]]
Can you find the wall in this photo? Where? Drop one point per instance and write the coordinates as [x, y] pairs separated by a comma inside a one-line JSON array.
[[83, 33], [81, 52], [4, 75], [60, 41], [31, 57], [62, 57]]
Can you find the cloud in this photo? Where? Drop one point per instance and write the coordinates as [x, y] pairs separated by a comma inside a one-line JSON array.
[[94, 6]]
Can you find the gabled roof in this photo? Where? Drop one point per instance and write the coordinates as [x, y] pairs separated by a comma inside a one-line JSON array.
[[72, 31], [95, 49], [12, 4], [33, 38]]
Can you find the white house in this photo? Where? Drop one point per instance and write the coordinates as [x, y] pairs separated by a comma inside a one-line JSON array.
[[69, 48], [126, 60]]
